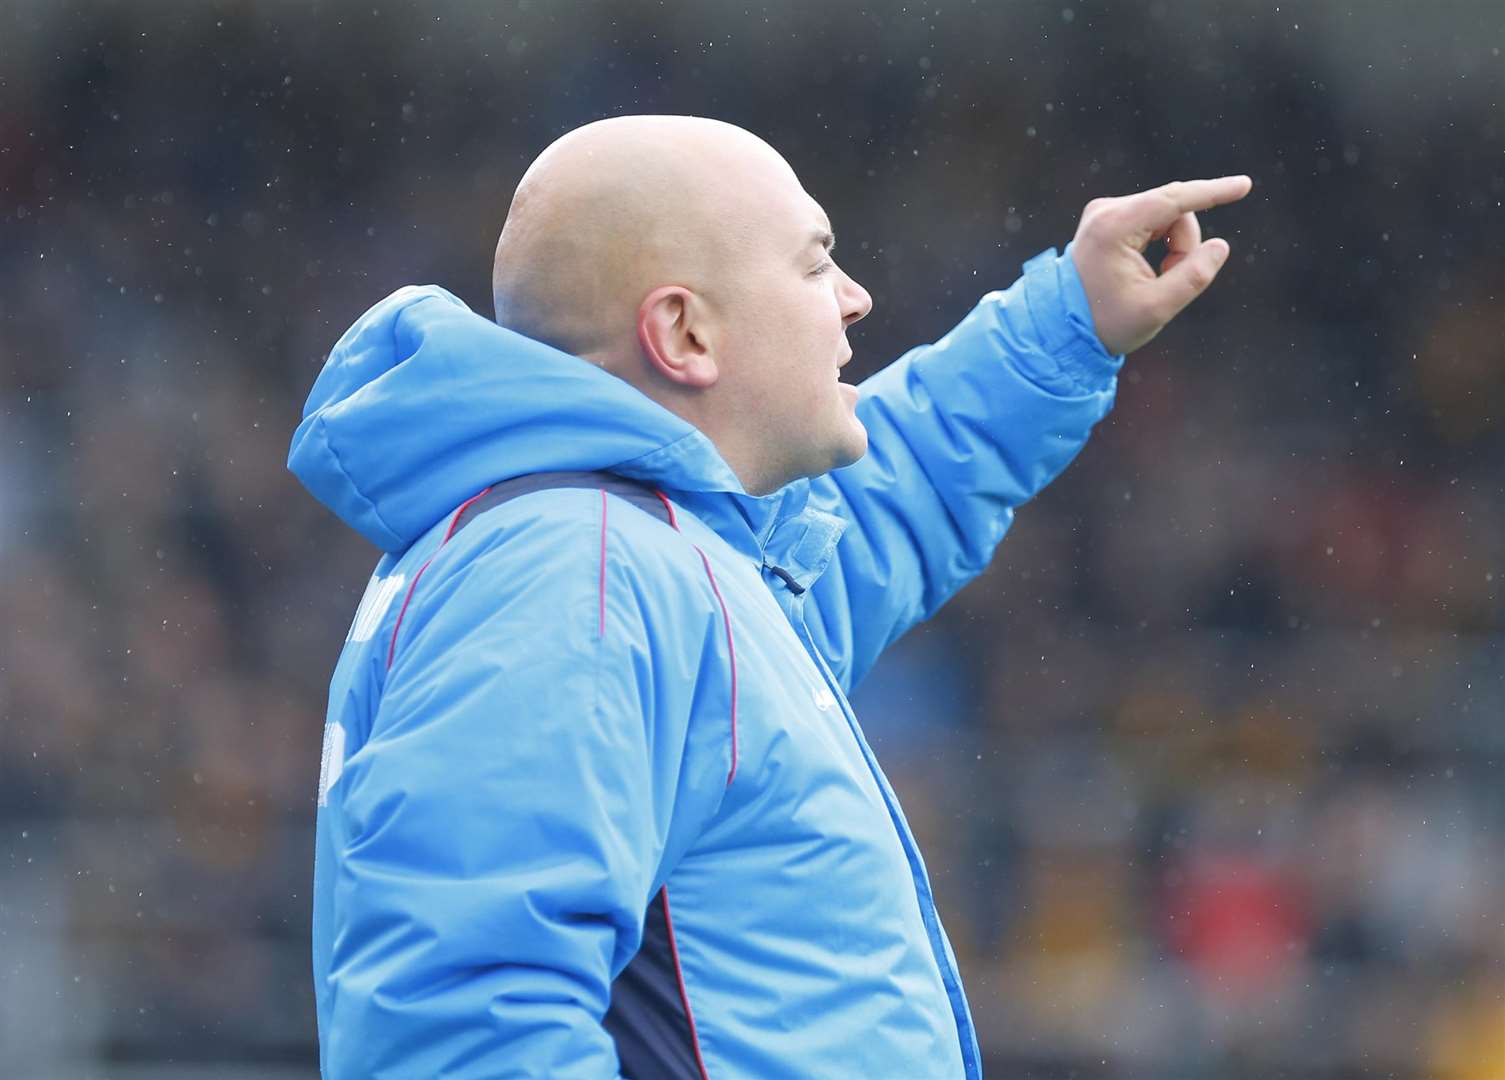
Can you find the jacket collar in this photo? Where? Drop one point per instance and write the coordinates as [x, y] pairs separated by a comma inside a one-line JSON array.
[[423, 402]]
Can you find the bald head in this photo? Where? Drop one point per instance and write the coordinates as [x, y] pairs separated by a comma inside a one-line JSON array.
[[612, 210], [683, 256]]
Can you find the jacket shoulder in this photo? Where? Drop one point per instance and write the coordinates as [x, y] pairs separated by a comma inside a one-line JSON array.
[[574, 538]]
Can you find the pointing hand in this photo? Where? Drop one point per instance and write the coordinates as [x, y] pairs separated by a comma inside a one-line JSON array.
[[1131, 303]]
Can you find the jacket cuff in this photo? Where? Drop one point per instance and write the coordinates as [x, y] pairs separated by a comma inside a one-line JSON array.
[[1063, 318]]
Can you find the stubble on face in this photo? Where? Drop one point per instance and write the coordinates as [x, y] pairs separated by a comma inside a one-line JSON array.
[[791, 336]]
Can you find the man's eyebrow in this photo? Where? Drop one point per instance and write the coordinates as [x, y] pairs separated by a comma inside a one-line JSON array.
[[825, 238]]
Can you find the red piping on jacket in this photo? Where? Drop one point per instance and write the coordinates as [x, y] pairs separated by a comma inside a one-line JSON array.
[[679, 974], [601, 617], [408, 599], [726, 621], [731, 653], [669, 506]]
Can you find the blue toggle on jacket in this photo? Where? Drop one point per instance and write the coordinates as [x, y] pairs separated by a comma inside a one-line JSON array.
[[593, 802]]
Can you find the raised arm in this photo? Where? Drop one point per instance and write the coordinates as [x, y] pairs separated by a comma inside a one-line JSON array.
[[964, 431]]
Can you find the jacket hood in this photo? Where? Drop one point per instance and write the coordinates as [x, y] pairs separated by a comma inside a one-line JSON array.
[[423, 402]]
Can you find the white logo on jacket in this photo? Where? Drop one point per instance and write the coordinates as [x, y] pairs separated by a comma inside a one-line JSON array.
[[332, 762], [379, 595], [824, 699]]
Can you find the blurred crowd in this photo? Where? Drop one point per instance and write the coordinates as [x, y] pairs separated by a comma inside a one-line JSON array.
[[1207, 767]]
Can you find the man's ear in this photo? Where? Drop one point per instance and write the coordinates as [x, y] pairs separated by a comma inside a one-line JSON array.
[[674, 338]]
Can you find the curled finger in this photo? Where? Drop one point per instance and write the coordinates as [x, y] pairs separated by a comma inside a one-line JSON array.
[[1182, 238]]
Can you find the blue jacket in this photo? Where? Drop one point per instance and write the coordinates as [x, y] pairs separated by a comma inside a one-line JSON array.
[[593, 801]]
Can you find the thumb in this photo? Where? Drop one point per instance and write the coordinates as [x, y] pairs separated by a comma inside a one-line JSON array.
[[1191, 275]]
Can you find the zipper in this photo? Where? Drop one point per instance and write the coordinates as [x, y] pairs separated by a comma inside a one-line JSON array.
[[950, 977]]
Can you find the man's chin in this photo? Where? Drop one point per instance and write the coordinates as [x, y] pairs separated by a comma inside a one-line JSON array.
[[848, 450], [853, 450]]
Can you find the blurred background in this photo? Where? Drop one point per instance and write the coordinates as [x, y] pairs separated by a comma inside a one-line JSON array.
[[1207, 768]]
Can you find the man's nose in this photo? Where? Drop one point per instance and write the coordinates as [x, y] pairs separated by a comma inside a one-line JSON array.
[[855, 301]]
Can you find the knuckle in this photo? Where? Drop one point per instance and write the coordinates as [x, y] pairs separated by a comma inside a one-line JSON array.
[[1199, 274], [1104, 215], [1098, 212]]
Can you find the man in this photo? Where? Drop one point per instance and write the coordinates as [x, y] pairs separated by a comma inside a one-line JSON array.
[[593, 801]]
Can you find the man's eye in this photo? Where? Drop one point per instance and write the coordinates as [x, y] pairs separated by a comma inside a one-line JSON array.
[[822, 268]]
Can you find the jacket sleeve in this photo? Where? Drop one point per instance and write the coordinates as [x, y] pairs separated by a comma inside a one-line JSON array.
[[959, 434], [531, 772]]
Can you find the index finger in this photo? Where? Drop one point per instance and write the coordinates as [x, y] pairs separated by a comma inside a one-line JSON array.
[[1189, 196], [1150, 212]]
